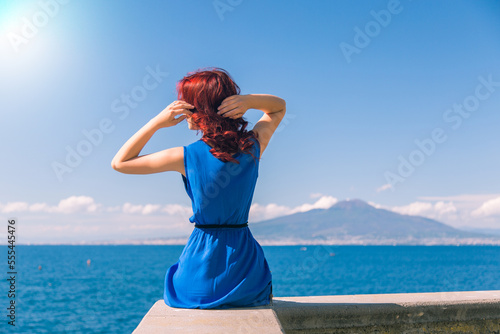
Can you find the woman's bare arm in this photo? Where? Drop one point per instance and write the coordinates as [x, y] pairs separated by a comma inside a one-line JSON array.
[[269, 104], [134, 145], [274, 109], [128, 161]]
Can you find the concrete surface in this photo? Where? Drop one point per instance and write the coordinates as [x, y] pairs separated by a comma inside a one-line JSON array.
[[440, 312], [164, 319], [437, 312]]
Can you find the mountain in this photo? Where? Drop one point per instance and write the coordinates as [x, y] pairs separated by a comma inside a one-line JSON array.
[[357, 222], [490, 231]]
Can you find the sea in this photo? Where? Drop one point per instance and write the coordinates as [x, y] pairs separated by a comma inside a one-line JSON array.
[[109, 289]]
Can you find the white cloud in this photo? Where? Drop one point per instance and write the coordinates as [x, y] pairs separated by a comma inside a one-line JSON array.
[[40, 207], [438, 210], [14, 207], [176, 209], [488, 208], [140, 209], [443, 208], [413, 209], [263, 212], [77, 204], [471, 198], [384, 187], [465, 203], [147, 209], [150, 208], [376, 205], [468, 210], [69, 205], [324, 202], [86, 204]]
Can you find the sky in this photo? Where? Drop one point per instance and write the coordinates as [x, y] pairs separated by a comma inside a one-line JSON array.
[[392, 102]]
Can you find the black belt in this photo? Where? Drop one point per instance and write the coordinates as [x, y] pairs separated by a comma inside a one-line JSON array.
[[221, 225]]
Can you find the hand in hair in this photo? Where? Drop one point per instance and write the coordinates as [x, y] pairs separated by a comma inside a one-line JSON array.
[[167, 118], [234, 106]]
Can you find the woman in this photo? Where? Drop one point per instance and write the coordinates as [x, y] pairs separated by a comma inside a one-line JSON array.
[[222, 265]]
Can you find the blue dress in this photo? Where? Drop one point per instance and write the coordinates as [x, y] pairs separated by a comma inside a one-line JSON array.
[[219, 267]]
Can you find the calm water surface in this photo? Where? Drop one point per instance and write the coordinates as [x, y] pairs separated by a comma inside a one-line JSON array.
[[123, 282]]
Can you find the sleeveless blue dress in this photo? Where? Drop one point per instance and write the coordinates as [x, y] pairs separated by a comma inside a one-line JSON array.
[[219, 267]]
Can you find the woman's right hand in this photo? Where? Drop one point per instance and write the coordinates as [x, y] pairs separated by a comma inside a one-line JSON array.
[[234, 106]]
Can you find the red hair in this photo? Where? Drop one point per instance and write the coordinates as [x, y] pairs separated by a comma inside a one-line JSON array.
[[206, 89]]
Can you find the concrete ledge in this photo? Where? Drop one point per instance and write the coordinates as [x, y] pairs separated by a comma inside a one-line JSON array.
[[439, 312], [164, 319]]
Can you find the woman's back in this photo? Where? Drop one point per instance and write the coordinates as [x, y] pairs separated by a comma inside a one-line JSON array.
[[221, 266], [220, 192]]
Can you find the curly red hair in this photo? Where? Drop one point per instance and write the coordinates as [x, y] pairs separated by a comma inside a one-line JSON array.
[[206, 89]]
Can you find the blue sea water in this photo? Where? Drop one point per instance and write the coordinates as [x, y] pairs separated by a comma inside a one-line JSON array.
[[115, 291]]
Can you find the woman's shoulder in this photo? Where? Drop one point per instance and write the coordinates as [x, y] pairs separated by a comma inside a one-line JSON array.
[[193, 149], [196, 144]]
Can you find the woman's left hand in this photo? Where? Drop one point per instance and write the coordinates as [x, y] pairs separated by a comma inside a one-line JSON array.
[[167, 118]]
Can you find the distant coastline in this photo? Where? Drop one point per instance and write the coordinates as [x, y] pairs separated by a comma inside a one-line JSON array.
[[294, 242]]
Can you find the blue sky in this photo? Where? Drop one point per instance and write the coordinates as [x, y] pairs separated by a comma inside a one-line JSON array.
[[364, 82]]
